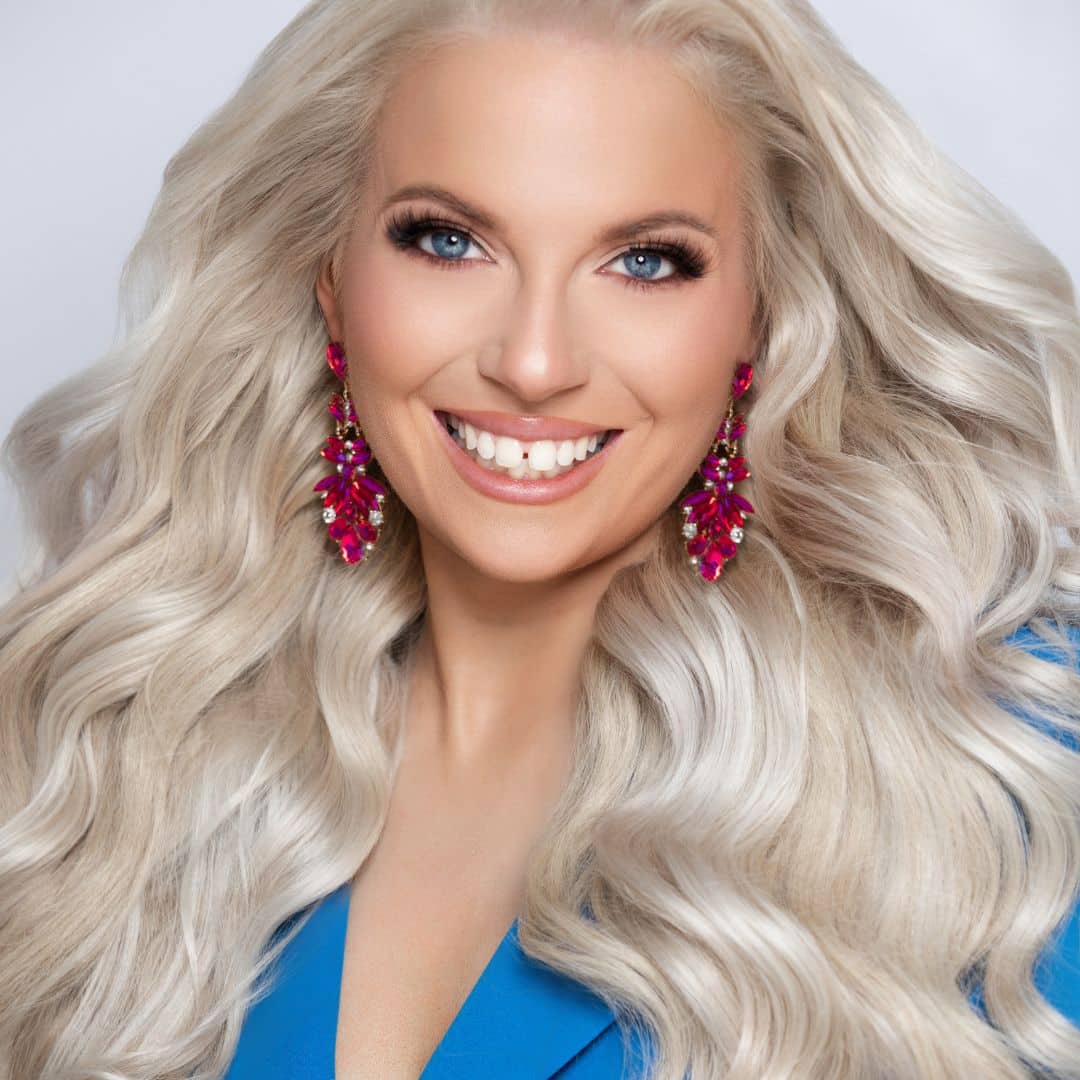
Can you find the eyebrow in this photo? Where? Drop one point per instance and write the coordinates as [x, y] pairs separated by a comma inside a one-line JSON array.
[[618, 231]]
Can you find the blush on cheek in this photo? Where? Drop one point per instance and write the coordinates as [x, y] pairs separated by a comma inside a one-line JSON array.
[[682, 358], [404, 326]]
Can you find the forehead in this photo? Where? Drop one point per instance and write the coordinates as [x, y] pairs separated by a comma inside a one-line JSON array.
[[556, 127]]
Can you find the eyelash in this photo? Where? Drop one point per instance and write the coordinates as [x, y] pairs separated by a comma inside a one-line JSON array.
[[407, 226]]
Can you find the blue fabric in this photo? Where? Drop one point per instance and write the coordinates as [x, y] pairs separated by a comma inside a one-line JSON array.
[[521, 1021], [1057, 974]]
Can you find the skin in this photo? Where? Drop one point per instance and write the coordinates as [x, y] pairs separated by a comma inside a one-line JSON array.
[[537, 318]]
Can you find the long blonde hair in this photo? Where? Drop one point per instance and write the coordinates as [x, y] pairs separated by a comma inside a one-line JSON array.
[[808, 810]]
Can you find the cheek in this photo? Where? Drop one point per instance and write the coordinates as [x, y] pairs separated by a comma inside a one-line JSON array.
[[681, 367], [402, 325]]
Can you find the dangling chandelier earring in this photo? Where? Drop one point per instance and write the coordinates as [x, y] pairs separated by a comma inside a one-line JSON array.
[[352, 500], [713, 525]]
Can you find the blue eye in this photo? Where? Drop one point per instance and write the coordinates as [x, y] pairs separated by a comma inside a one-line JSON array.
[[450, 243], [647, 261]]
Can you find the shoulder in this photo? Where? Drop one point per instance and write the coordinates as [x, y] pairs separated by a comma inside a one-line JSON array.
[[1030, 640], [289, 1027], [1027, 639], [1057, 974]]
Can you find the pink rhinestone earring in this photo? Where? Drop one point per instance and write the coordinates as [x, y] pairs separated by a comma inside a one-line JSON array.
[[352, 500], [713, 525]]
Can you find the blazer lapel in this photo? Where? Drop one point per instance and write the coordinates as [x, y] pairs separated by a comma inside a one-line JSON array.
[[521, 1019], [290, 1032]]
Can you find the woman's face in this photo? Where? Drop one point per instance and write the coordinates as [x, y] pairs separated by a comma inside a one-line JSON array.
[[523, 296]]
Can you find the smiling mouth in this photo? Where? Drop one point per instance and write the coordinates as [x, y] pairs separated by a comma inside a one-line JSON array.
[[519, 459]]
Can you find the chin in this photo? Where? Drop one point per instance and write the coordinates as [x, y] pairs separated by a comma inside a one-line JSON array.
[[515, 570]]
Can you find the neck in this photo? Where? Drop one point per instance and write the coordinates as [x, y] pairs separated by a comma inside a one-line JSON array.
[[496, 672]]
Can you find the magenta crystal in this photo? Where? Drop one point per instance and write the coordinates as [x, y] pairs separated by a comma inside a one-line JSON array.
[[336, 491], [352, 548], [339, 528], [334, 450], [361, 499], [726, 546], [704, 513], [728, 520], [335, 357], [744, 374], [712, 560], [695, 497], [370, 484], [737, 469], [696, 545]]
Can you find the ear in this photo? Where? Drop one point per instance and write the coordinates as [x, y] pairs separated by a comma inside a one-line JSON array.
[[325, 294]]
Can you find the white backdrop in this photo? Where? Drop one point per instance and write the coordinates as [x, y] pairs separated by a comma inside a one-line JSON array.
[[95, 98]]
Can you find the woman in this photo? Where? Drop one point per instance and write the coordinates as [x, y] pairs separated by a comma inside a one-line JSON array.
[[663, 654]]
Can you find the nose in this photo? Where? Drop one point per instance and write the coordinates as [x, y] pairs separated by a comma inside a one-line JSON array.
[[534, 358]]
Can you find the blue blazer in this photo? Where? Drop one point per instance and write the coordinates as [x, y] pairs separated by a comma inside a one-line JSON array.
[[521, 1021]]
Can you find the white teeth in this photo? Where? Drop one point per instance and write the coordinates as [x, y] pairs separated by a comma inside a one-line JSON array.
[[507, 452], [542, 455], [485, 445], [543, 458]]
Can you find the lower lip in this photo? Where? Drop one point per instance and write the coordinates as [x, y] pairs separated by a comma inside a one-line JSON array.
[[498, 485]]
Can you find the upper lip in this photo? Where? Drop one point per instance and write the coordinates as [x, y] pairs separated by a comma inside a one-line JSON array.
[[527, 428]]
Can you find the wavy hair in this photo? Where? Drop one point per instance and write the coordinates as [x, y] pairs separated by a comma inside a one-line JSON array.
[[809, 810]]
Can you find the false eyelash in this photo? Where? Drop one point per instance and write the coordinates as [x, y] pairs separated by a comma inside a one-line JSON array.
[[405, 226], [689, 260]]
